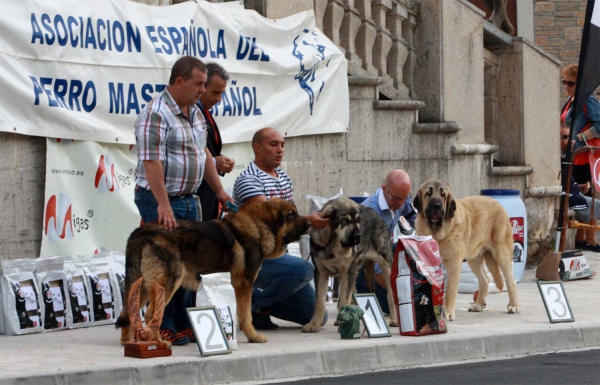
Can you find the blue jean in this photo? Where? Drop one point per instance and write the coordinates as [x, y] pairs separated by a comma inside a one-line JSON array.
[[175, 317], [282, 285]]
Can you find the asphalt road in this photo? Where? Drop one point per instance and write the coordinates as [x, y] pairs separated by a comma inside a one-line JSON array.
[[581, 368]]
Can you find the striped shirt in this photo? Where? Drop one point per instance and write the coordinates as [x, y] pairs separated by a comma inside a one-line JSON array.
[[254, 182], [163, 132]]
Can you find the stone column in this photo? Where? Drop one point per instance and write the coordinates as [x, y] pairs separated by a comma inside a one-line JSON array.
[[365, 39], [320, 8], [348, 32], [332, 20], [396, 60], [408, 31], [383, 40]]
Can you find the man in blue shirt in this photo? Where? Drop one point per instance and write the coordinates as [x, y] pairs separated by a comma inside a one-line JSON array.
[[390, 201]]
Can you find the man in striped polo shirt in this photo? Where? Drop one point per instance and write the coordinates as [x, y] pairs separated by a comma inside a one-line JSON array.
[[170, 134], [281, 288]]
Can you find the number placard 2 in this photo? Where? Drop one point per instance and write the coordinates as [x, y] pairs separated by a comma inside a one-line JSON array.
[[373, 317], [210, 336], [555, 301]]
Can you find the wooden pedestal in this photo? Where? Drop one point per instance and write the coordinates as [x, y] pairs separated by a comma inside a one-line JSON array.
[[147, 349]]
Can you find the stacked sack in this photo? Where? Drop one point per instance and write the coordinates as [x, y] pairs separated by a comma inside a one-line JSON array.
[[56, 293]]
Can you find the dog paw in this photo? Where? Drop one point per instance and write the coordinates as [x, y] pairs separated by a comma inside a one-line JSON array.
[[393, 322], [514, 309], [259, 338], [336, 323], [476, 307], [451, 316], [311, 328]]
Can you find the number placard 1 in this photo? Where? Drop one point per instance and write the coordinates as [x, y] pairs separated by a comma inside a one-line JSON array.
[[373, 317], [210, 336], [555, 301]]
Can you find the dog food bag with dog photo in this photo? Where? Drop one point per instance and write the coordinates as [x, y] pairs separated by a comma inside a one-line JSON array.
[[21, 306], [78, 311], [51, 279], [418, 284], [102, 290]]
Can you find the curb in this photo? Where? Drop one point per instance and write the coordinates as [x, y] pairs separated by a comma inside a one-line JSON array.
[[339, 360]]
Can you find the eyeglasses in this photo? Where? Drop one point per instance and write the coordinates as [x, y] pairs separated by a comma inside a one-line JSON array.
[[568, 83], [395, 198], [565, 137]]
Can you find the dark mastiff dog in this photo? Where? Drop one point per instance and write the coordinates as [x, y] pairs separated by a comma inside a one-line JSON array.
[[356, 236], [236, 244], [474, 228]]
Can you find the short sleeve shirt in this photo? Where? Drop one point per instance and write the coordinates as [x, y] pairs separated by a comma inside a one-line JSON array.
[[254, 182], [164, 133]]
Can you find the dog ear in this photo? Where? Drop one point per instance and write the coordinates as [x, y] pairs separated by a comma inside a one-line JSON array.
[[451, 207], [328, 210], [417, 204]]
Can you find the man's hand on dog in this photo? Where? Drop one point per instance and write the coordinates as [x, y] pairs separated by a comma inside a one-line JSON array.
[[223, 198], [166, 217], [317, 220]]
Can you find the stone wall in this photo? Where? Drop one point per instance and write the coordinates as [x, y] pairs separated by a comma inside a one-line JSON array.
[[558, 30], [23, 175]]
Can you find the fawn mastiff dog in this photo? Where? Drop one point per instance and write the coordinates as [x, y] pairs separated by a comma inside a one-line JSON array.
[[476, 228], [237, 244], [356, 236]]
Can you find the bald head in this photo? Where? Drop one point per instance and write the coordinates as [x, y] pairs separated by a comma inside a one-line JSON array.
[[397, 177], [268, 145], [261, 135], [396, 188]]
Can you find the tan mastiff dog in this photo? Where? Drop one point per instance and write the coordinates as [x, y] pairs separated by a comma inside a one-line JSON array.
[[475, 228]]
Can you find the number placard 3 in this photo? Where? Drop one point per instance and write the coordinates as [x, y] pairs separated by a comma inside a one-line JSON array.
[[210, 336], [555, 301]]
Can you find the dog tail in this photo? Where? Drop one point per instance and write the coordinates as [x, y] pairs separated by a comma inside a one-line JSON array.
[[494, 270]]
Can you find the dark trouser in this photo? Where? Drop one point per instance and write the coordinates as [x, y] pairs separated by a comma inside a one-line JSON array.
[[380, 292], [282, 285], [175, 317]]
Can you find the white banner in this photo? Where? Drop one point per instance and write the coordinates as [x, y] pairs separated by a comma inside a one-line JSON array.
[[83, 69], [88, 207]]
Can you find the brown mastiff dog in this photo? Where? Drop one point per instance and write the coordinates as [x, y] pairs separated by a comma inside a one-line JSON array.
[[237, 244], [475, 228]]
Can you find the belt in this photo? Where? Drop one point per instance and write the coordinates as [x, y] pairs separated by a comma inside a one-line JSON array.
[[141, 189]]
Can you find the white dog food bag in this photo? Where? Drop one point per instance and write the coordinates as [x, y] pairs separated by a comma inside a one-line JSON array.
[[78, 292], [216, 289], [52, 282], [21, 305], [116, 267], [102, 291]]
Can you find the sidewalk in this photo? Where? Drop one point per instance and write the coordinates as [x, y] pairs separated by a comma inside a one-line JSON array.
[[94, 355]]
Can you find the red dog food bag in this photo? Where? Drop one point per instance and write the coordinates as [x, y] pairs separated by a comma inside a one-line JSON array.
[[418, 283]]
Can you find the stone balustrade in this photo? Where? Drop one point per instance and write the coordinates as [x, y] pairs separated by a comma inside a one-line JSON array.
[[377, 37]]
